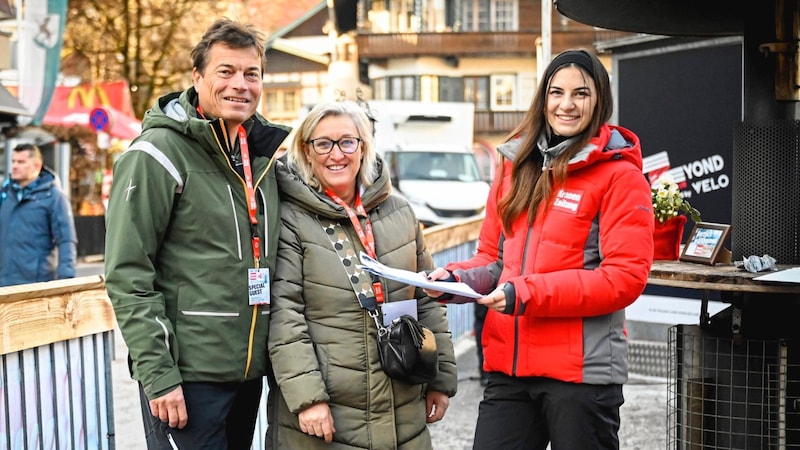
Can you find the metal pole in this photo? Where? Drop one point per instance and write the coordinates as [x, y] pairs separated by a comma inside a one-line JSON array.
[[547, 36], [64, 158]]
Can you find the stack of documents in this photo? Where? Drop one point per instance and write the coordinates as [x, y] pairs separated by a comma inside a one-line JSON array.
[[782, 276], [415, 279]]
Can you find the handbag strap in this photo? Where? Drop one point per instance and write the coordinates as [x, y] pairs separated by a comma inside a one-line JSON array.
[[360, 279]]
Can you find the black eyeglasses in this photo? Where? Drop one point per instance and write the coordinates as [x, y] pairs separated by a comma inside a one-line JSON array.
[[323, 146]]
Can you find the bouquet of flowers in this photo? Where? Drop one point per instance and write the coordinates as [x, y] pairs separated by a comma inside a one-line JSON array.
[[668, 201]]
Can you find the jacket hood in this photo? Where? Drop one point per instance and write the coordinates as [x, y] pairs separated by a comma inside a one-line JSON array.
[[294, 189], [612, 142], [49, 178], [178, 111]]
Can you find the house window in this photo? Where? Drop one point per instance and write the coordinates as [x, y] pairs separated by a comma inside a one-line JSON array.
[[289, 101], [476, 91], [402, 15], [280, 104], [504, 15], [270, 102], [502, 94], [451, 89], [429, 88], [379, 88], [403, 88], [489, 15]]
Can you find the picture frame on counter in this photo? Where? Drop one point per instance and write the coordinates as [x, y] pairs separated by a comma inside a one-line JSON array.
[[706, 244]]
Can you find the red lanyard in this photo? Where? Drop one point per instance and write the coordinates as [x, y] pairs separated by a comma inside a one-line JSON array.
[[366, 236], [252, 206]]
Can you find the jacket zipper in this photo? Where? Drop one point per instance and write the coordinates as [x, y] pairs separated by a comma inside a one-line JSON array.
[[517, 318], [251, 335]]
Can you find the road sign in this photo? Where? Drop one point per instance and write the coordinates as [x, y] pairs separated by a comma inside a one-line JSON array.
[[100, 119]]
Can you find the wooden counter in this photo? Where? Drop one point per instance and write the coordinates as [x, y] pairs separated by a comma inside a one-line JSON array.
[[721, 277]]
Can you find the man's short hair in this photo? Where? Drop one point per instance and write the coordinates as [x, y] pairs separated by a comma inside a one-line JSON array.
[[34, 150], [231, 33]]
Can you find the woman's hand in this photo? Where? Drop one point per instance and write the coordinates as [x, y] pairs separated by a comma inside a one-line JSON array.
[[496, 300], [317, 420], [437, 274], [436, 404]]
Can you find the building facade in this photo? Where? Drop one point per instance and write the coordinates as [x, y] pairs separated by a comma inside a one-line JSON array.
[[486, 52]]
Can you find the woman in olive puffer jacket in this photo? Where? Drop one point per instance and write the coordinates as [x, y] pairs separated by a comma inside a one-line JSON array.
[[323, 345]]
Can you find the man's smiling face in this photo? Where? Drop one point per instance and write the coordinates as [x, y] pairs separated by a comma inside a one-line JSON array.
[[229, 87]]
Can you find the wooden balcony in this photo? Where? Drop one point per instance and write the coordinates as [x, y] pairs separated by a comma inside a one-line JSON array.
[[501, 122], [407, 45]]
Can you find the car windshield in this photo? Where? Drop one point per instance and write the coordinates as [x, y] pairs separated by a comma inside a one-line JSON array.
[[435, 166]]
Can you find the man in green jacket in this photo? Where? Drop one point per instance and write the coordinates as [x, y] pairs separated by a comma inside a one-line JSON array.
[[192, 230]]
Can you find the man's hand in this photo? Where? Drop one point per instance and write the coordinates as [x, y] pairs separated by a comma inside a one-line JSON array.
[[171, 408], [317, 420], [436, 404]]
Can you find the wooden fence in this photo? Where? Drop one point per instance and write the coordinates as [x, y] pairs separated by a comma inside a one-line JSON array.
[[56, 348]]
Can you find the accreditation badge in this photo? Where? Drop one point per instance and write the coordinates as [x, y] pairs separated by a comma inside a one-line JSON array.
[[258, 286], [393, 310]]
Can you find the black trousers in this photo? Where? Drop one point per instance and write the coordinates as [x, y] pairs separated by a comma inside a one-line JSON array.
[[221, 416], [528, 413]]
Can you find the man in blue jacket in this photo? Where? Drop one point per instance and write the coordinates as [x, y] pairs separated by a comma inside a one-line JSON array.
[[37, 230]]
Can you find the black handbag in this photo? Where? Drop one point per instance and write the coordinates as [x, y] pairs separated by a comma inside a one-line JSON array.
[[408, 351]]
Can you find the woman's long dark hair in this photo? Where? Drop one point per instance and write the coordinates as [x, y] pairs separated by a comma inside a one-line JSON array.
[[528, 187]]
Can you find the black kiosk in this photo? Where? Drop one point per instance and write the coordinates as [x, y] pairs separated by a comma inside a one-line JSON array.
[[734, 378]]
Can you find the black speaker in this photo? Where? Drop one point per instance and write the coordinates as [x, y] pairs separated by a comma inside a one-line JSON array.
[[766, 190]]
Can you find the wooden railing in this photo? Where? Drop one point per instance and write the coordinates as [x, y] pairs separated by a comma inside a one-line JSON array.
[[463, 44], [398, 45], [56, 347], [440, 238], [497, 121], [42, 313]]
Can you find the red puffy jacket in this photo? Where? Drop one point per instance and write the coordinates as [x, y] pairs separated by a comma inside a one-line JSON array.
[[574, 270]]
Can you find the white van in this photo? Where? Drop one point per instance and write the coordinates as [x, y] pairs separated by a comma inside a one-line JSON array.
[[428, 147]]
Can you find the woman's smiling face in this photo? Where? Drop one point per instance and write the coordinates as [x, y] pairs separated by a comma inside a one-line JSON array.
[[336, 170], [571, 101]]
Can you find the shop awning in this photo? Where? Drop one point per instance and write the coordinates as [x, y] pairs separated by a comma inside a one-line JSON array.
[[10, 105], [123, 126], [72, 106], [6, 9]]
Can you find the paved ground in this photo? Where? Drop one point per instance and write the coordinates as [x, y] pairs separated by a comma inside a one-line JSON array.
[[643, 415]]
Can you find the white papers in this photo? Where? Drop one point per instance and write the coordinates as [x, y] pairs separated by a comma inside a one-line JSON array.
[[415, 279], [782, 276]]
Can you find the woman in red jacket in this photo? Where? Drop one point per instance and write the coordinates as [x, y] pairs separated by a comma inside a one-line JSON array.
[[565, 247]]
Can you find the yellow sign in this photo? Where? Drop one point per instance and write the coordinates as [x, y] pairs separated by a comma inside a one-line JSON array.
[[87, 96]]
